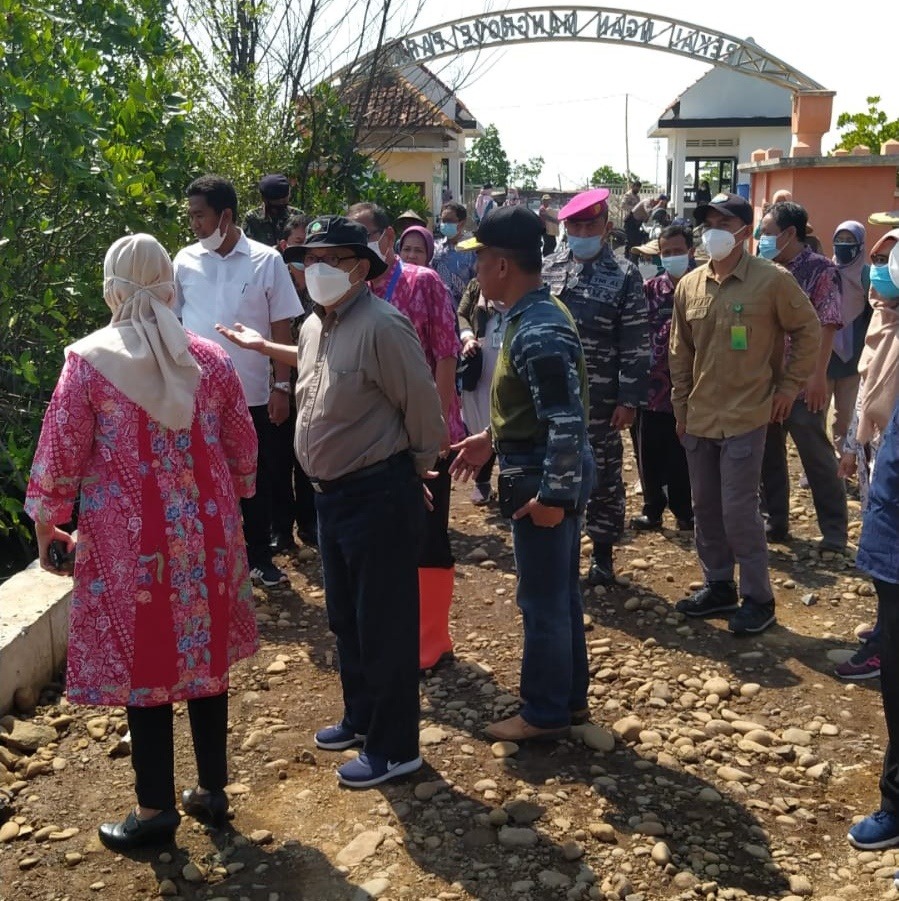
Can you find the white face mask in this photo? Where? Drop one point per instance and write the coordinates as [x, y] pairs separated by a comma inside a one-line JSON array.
[[216, 239], [375, 247], [327, 285], [718, 242]]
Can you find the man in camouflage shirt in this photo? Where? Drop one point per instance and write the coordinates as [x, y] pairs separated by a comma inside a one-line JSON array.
[[266, 223], [605, 296], [538, 427]]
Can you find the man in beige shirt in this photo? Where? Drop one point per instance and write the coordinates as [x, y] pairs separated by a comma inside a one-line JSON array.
[[729, 381], [369, 428]]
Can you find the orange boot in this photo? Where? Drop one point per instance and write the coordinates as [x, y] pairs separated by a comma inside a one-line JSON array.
[[435, 585]]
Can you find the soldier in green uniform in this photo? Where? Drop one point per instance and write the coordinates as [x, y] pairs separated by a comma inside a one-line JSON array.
[[538, 427], [266, 223]]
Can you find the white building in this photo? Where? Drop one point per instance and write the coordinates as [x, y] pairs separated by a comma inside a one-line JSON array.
[[714, 126]]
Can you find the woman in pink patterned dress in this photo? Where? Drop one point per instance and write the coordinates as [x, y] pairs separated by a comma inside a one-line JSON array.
[[149, 427]]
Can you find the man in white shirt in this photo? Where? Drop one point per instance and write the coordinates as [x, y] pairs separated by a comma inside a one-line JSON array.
[[227, 277]]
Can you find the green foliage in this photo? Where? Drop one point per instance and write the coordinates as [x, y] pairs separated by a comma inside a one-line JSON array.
[[93, 145], [869, 129], [487, 160], [526, 175], [606, 175]]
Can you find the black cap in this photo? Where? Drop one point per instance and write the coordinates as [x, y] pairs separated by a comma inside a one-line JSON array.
[[507, 227], [728, 204], [274, 187], [337, 231]]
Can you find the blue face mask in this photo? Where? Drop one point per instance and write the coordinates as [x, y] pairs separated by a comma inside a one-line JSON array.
[[676, 266], [449, 229], [768, 248], [585, 248], [882, 283]]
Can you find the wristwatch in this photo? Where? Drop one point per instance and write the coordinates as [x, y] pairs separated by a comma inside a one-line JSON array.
[[281, 386]]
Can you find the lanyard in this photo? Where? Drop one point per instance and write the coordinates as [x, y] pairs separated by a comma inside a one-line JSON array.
[[391, 287]]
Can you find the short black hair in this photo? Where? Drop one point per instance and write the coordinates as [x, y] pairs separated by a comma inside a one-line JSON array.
[[677, 231], [218, 191], [529, 261], [457, 208], [787, 213], [378, 214], [297, 220]]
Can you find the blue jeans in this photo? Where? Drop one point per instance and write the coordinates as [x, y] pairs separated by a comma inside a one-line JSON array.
[[369, 533], [554, 674]]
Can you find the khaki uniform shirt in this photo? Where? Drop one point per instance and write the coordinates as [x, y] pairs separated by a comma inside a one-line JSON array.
[[718, 389], [364, 391]]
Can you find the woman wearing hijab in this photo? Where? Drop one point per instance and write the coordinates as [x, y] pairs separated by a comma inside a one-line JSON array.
[[416, 246], [149, 427], [878, 393], [848, 342]]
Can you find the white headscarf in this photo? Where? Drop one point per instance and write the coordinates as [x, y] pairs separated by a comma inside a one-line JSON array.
[[144, 350]]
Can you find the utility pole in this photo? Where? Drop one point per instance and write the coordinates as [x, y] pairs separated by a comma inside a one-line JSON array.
[[627, 146]]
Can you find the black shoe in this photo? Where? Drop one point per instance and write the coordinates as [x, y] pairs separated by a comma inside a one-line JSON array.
[[777, 534], [716, 597], [646, 523], [268, 574], [752, 618], [685, 525], [602, 571], [135, 833], [207, 807]]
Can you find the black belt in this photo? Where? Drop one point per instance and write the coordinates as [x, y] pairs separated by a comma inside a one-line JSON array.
[[323, 486], [519, 447]]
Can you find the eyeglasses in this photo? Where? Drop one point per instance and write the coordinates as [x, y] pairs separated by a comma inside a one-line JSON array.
[[330, 259]]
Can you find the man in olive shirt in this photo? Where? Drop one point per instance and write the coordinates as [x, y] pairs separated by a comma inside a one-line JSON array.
[[729, 381], [369, 427], [538, 425]]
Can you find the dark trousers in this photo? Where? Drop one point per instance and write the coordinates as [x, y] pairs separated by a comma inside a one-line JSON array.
[[549, 245], [436, 550], [485, 472], [888, 617], [809, 433], [153, 749], [257, 510], [293, 500], [369, 539], [554, 669], [633, 230], [662, 465]]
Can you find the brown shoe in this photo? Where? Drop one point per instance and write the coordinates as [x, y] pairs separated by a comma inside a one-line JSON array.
[[517, 728]]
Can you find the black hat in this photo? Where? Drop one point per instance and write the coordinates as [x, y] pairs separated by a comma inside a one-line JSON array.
[[728, 204], [274, 187], [337, 231], [507, 227]]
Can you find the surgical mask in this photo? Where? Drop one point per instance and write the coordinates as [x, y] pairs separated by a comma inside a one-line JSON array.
[[768, 248], [845, 253], [676, 266], [585, 248], [375, 247], [216, 239], [326, 284], [882, 283], [718, 242], [449, 229]]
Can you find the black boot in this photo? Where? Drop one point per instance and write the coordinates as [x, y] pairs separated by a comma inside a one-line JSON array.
[[712, 598], [602, 571]]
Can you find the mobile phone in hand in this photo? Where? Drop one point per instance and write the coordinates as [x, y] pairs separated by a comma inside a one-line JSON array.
[[61, 559]]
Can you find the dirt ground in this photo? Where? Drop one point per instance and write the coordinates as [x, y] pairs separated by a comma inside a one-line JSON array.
[[737, 766]]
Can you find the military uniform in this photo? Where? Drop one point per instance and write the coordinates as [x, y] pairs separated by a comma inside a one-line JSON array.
[[261, 228], [606, 300]]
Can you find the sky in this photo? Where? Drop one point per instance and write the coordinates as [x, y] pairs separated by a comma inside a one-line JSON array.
[[566, 101]]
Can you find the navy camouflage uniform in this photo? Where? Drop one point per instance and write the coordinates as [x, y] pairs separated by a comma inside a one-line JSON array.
[[537, 420], [606, 299]]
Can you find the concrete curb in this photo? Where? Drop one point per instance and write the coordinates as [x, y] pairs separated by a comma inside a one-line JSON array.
[[34, 631]]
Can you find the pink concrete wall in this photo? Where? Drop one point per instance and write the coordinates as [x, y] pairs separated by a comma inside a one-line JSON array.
[[831, 194]]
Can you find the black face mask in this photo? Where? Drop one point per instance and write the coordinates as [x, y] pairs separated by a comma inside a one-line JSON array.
[[846, 253]]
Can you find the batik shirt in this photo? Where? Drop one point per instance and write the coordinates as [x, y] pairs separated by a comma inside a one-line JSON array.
[[455, 267]]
